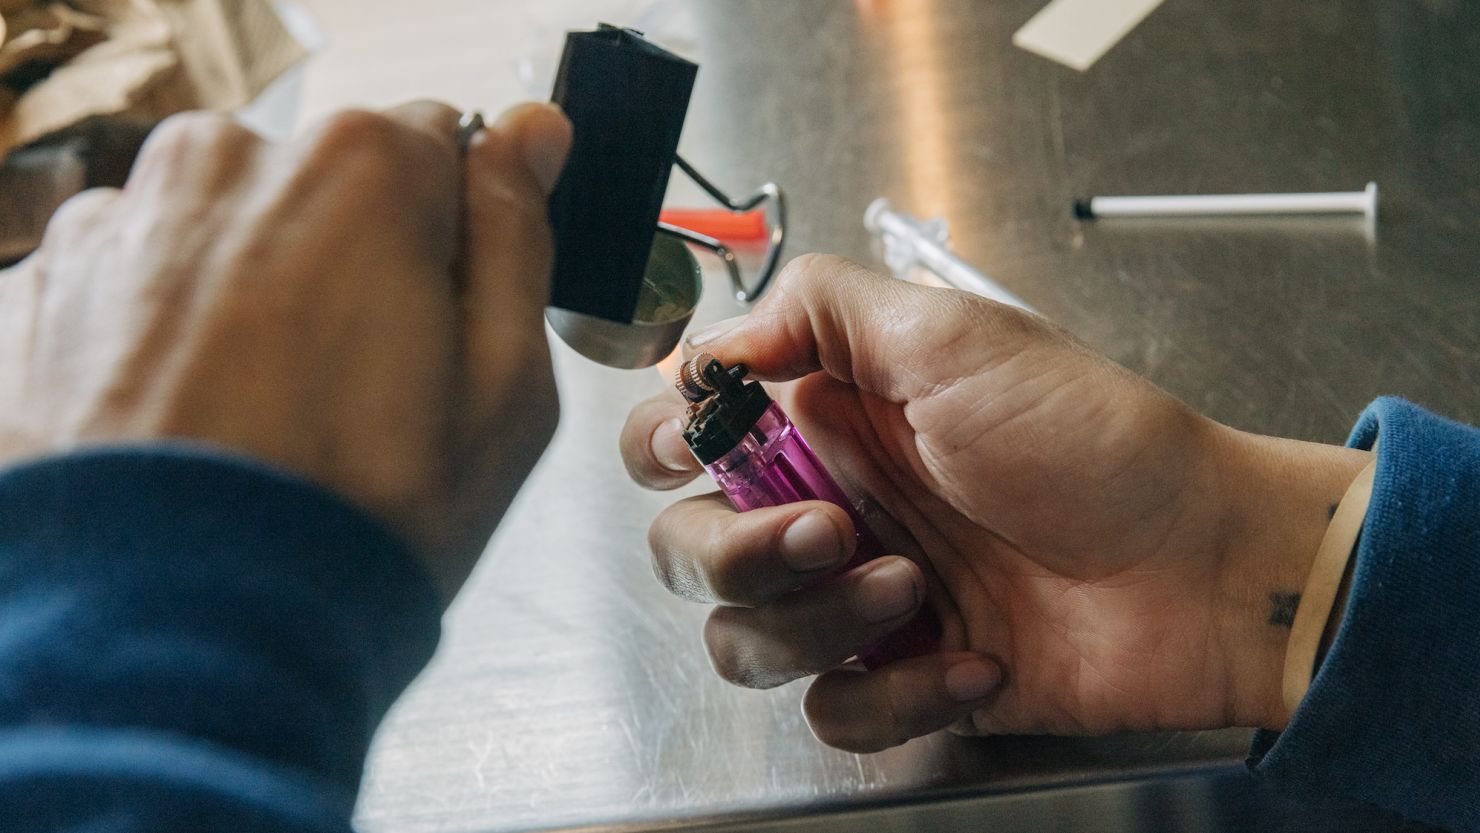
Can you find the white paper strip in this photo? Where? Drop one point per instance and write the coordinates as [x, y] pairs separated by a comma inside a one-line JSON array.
[[1078, 32]]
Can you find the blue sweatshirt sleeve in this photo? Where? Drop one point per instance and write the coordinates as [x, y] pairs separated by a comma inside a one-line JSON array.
[[1393, 714], [193, 641]]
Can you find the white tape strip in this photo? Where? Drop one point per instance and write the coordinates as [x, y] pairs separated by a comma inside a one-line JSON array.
[[1078, 32]]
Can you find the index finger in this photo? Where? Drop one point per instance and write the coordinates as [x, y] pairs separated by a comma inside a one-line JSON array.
[[509, 247], [892, 338], [653, 447]]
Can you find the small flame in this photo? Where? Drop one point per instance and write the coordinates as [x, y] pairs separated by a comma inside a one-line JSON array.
[[668, 367]]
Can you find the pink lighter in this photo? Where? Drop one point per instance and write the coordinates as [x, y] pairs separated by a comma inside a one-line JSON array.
[[757, 456]]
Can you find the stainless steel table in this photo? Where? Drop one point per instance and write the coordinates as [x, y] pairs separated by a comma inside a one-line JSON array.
[[571, 692]]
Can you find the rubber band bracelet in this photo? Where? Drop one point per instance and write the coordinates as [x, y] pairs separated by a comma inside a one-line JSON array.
[[1321, 588]]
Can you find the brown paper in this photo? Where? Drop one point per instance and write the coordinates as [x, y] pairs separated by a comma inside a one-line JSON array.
[[46, 36], [155, 58]]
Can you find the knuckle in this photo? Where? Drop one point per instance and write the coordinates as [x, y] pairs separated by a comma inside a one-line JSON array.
[[355, 132], [999, 321], [365, 153], [189, 136], [204, 130], [431, 111], [805, 268], [815, 269], [442, 109], [79, 213]]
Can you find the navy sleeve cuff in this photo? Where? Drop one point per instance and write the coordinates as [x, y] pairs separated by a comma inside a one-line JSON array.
[[200, 600], [1393, 714]]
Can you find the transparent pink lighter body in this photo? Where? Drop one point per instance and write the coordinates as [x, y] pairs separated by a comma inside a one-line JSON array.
[[772, 466]]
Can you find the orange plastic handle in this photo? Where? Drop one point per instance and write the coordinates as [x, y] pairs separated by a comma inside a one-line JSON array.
[[723, 225]]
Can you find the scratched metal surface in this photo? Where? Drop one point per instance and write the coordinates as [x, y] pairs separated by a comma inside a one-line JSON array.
[[571, 692]]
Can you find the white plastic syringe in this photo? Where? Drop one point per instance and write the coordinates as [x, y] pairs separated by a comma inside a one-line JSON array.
[[1362, 202], [910, 242]]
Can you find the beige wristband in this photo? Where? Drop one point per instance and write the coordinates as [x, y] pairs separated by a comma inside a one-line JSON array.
[[1326, 574]]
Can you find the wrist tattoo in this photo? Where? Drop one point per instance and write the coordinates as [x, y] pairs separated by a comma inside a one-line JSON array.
[[1282, 608]]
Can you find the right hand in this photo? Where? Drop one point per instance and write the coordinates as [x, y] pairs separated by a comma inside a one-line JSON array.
[[1103, 557]]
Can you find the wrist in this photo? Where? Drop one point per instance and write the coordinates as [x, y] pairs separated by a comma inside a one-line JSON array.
[[1278, 495]]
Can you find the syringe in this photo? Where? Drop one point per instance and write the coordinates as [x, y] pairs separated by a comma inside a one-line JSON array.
[[910, 242]]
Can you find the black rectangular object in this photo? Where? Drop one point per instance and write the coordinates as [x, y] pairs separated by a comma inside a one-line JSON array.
[[626, 99]]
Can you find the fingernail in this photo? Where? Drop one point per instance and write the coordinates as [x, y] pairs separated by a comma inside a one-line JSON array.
[[886, 592], [972, 679], [545, 145], [714, 331], [669, 448], [811, 542]]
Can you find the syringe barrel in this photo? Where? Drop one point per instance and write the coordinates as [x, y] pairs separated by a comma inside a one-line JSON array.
[[906, 232]]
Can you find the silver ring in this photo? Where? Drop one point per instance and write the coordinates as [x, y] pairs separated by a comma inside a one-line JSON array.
[[468, 127]]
